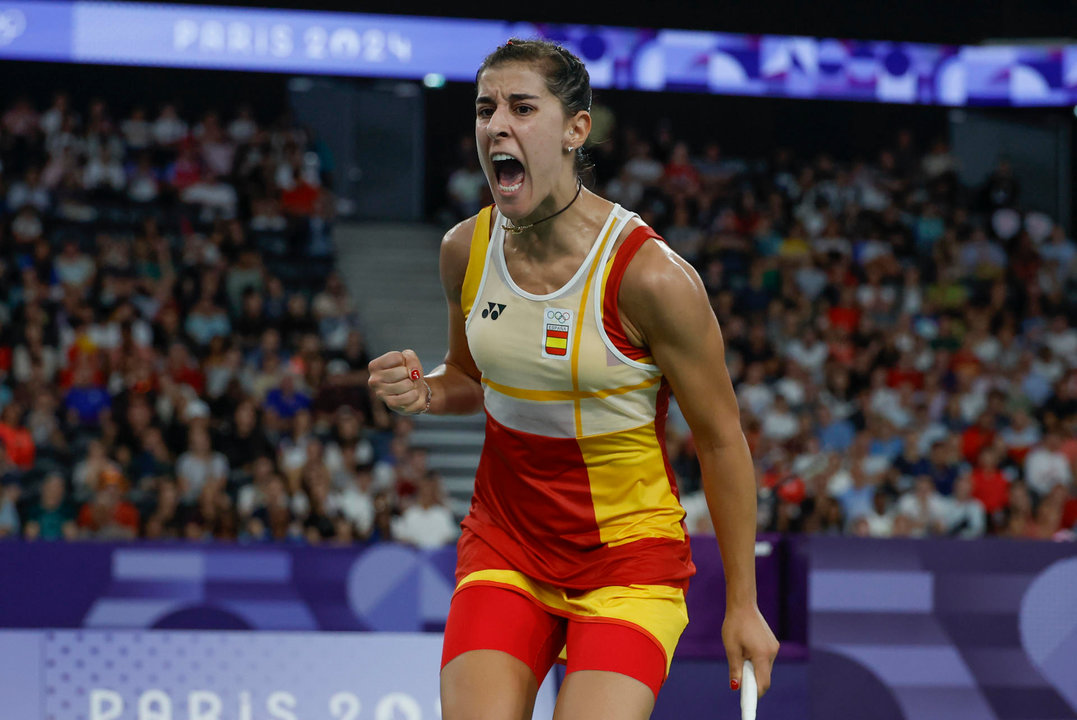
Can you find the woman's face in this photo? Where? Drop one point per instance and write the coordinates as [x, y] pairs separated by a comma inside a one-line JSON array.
[[516, 115]]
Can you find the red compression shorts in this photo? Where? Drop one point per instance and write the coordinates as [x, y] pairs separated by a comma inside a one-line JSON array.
[[495, 616]]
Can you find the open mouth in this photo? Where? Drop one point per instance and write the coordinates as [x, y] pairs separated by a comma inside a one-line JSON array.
[[509, 172]]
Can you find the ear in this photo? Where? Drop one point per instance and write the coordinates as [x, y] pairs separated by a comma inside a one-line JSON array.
[[577, 129]]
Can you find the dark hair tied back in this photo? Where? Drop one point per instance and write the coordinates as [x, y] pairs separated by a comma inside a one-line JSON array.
[[566, 76]]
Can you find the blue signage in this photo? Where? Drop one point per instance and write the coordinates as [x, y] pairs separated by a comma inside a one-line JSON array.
[[291, 41]]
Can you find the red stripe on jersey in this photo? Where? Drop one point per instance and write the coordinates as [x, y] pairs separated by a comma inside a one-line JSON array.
[[661, 415], [556, 350], [532, 512], [611, 313], [557, 334]]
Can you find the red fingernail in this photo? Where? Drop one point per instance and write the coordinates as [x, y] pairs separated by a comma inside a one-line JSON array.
[[415, 375], [734, 685]]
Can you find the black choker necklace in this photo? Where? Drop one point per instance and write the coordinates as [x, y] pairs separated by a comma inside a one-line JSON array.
[[517, 229]]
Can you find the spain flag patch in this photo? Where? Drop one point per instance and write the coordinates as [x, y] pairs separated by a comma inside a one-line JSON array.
[[557, 328]]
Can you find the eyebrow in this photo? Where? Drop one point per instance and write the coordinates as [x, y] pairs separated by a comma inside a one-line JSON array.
[[514, 97]]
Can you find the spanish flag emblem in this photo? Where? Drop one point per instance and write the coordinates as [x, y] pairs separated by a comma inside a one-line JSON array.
[[558, 325], [557, 339]]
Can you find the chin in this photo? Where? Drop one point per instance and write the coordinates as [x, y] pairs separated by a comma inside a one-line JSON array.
[[513, 207]]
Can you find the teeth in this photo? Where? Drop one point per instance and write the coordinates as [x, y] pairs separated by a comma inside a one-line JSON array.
[[501, 156], [510, 188]]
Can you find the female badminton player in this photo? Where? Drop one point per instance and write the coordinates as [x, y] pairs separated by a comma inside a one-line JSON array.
[[570, 322]]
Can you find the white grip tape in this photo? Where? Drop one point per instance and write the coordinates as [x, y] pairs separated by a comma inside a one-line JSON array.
[[749, 692]]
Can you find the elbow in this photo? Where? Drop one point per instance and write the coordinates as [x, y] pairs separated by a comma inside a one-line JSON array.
[[721, 442]]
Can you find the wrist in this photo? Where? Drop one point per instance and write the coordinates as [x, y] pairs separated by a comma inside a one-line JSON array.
[[429, 396], [739, 600]]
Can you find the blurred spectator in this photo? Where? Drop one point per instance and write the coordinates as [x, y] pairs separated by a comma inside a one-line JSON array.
[[30, 192], [199, 466], [215, 198], [927, 510], [18, 443], [205, 321], [467, 186], [989, 485], [427, 523], [1047, 467], [356, 501], [273, 520], [108, 516], [10, 525], [169, 129], [87, 401], [52, 516], [287, 400], [965, 516], [879, 520]]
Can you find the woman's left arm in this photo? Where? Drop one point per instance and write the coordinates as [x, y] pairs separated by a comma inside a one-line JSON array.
[[666, 309]]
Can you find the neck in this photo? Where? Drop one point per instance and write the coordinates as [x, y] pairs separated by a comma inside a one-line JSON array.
[[560, 205], [560, 234]]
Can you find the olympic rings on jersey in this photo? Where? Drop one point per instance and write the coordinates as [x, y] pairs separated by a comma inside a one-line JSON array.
[[560, 316]]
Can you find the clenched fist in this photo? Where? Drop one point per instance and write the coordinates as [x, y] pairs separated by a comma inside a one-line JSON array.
[[397, 379]]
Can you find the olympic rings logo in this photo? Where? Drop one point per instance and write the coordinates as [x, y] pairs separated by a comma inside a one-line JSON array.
[[561, 316]]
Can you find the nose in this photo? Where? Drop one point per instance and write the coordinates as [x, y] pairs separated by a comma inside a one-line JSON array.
[[498, 124]]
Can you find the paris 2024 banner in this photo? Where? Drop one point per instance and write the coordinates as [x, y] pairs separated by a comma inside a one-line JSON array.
[[887, 630]]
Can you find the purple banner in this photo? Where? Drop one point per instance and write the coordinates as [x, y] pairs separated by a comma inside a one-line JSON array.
[[933, 630], [36, 31], [289, 41], [274, 587], [132, 675], [914, 630]]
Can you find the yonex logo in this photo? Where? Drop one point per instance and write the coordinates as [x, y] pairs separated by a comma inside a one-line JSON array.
[[494, 310], [561, 316], [12, 24]]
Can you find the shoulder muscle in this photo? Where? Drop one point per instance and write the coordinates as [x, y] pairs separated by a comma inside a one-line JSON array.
[[662, 293]]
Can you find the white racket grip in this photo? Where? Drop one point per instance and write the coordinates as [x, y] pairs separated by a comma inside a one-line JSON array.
[[749, 692]]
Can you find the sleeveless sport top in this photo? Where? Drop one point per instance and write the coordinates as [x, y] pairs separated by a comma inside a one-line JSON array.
[[574, 486]]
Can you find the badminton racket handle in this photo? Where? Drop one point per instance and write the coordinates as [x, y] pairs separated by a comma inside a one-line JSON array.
[[749, 692]]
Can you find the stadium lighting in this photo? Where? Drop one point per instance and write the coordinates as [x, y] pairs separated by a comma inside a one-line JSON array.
[[434, 80]]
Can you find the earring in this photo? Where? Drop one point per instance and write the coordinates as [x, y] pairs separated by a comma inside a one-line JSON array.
[[570, 148]]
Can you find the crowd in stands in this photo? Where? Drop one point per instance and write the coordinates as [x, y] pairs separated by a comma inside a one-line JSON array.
[[178, 359], [903, 347]]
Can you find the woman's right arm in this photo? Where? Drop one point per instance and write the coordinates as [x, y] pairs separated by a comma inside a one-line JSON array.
[[454, 385]]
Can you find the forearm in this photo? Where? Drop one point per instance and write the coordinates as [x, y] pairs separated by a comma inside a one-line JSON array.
[[453, 391], [729, 485]]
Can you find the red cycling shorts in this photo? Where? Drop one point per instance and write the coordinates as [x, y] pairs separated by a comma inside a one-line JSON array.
[[632, 630]]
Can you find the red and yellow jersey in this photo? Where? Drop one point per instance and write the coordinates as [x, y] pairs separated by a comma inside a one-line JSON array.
[[574, 486]]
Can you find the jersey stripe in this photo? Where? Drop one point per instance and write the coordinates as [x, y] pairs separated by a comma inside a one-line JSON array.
[[562, 395], [611, 313], [580, 314], [476, 263]]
